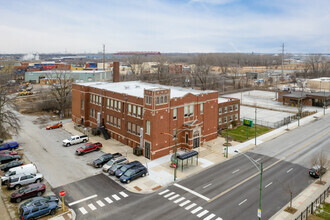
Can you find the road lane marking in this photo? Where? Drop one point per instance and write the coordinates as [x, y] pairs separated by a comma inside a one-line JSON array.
[[179, 200], [219, 218], [190, 206], [184, 203], [100, 203], [209, 217], [268, 184], [163, 192], [196, 210], [289, 170], [82, 200], [108, 200], [202, 213], [83, 210], [270, 166], [123, 194], [207, 185], [235, 171], [192, 192], [115, 197], [173, 197], [169, 194], [243, 202], [92, 207]]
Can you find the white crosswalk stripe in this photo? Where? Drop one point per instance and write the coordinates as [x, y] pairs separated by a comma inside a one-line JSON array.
[[115, 197], [174, 197], [169, 194], [184, 203], [202, 213], [163, 192], [196, 210], [209, 217], [190, 206], [179, 200], [123, 194], [100, 203], [92, 207], [108, 200], [83, 210], [219, 218]]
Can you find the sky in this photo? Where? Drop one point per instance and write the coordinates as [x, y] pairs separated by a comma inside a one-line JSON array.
[[186, 26]]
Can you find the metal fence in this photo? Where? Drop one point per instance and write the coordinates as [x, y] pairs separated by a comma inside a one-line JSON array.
[[314, 205], [269, 124]]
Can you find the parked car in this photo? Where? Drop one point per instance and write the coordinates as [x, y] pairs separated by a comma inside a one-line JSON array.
[[75, 140], [134, 173], [7, 158], [28, 169], [9, 146], [113, 169], [11, 164], [1, 140], [23, 179], [38, 207], [24, 93], [36, 189], [104, 158], [10, 152], [126, 167], [317, 170], [114, 161], [53, 126], [88, 147]]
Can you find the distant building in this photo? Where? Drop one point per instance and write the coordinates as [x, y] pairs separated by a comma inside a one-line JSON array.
[[306, 98], [319, 84]]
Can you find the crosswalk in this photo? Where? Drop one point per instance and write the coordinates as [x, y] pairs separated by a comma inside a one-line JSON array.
[[101, 203], [193, 208]]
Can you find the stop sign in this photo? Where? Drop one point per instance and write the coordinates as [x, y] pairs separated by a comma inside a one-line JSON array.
[[62, 193], [174, 165]]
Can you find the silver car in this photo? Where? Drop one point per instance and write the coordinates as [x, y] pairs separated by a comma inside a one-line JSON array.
[[19, 180], [111, 163]]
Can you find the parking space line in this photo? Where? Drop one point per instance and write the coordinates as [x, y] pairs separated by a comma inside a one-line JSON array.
[[235, 171], [184, 203], [108, 200], [196, 210], [173, 197], [243, 202], [179, 200], [289, 170], [209, 217], [169, 194], [116, 197], [207, 185], [268, 184], [100, 203], [190, 206], [202, 213], [191, 191], [123, 194], [163, 192], [82, 200], [83, 210], [92, 207]]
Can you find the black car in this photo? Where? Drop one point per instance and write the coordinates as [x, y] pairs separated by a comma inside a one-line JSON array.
[[126, 167], [8, 158], [104, 159], [11, 164], [316, 171]]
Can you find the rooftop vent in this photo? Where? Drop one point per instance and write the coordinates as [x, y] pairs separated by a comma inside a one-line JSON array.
[[137, 86], [126, 87]]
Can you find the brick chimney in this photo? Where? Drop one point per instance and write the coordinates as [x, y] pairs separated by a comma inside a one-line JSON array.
[[115, 71]]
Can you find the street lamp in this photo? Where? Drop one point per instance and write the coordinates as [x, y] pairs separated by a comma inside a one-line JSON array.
[[256, 164], [175, 146]]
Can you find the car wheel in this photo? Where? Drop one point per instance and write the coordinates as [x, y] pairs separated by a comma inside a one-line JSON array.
[[17, 186], [143, 175], [5, 182], [18, 200], [84, 140], [38, 181], [39, 193], [128, 181], [53, 212], [30, 218], [99, 166], [98, 149], [68, 145], [50, 128]]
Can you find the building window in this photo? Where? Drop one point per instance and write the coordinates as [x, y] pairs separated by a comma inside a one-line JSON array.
[[236, 117], [220, 110], [186, 111], [91, 98], [165, 99], [226, 109], [129, 126], [108, 119], [138, 130], [139, 111], [115, 121], [231, 108], [133, 128], [111, 120], [91, 112], [150, 100], [161, 100], [191, 110], [225, 119], [175, 113], [157, 100], [148, 127], [202, 108], [134, 110], [115, 104], [119, 122], [231, 118], [219, 121], [108, 103], [100, 100], [94, 113], [82, 104], [236, 106], [129, 109], [119, 106], [174, 133], [111, 103]]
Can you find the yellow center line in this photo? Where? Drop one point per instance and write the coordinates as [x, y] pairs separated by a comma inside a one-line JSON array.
[[273, 164]]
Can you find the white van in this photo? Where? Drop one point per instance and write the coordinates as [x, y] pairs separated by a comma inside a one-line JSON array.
[[28, 169]]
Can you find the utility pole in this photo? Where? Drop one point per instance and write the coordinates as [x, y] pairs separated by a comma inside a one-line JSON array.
[[261, 170], [282, 58], [104, 57], [227, 140], [324, 103], [255, 127]]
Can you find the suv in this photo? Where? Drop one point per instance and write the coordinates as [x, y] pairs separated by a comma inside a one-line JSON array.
[[114, 168], [126, 167], [31, 190], [9, 146], [112, 162], [38, 207], [23, 179], [133, 174], [316, 171], [104, 158]]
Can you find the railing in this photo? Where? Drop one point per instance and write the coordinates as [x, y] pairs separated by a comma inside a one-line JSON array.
[[314, 205]]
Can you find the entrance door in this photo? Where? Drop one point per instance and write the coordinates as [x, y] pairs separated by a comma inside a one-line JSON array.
[[147, 150], [196, 139]]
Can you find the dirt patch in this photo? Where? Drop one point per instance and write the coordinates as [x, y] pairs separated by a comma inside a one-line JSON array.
[[290, 210]]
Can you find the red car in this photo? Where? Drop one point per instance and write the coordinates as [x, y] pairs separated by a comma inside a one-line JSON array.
[[56, 125], [88, 147], [4, 152], [29, 191]]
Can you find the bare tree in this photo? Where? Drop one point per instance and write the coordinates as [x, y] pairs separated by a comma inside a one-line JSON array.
[[289, 188], [202, 69], [135, 63], [322, 161]]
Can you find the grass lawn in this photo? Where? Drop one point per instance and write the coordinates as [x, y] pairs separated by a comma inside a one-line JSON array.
[[239, 133], [325, 213]]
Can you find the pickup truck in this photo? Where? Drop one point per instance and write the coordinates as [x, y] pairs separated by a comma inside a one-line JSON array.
[[88, 147], [75, 140], [9, 146]]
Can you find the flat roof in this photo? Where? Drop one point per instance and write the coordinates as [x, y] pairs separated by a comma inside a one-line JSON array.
[[68, 71], [136, 88], [223, 99]]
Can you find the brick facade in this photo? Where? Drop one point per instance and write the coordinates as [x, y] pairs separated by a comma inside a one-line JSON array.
[[228, 111]]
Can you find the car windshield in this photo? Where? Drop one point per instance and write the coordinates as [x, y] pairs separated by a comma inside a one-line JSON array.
[[86, 146], [115, 167], [70, 139], [129, 172], [123, 168], [110, 162], [9, 173], [22, 190]]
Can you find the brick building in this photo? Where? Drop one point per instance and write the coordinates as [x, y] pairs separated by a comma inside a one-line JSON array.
[[147, 115], [228, 111]]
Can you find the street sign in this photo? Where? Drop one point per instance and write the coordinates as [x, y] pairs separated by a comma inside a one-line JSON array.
[[62, 193], [248, 123], [259, 213], [174, 165]]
